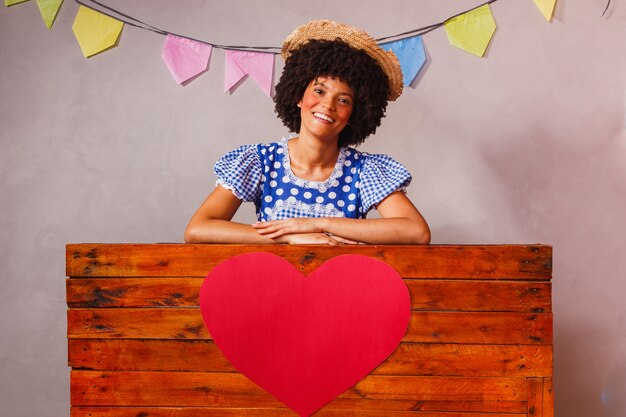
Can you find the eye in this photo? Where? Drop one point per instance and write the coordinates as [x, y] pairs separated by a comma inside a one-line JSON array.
[[318, 91], [345, 101]]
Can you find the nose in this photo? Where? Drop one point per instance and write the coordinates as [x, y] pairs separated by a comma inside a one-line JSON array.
[[328, 102]]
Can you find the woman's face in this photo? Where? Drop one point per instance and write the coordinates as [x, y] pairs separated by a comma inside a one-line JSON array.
[[325, 108]]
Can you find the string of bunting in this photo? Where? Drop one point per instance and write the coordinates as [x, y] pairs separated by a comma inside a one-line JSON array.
[[608, 3], [97, 28]]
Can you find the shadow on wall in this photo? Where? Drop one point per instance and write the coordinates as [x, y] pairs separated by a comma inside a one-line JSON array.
[[571, 193], [587, 383]]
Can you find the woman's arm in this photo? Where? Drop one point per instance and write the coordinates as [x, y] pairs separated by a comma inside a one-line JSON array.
[[211, 224], [401, 223]]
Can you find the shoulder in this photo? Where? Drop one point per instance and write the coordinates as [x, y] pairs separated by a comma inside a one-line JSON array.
[[375, 166], [239, 152], [273, 148], [252, 151], [385, 165], [381, 175], [379, 160], [367, 158]]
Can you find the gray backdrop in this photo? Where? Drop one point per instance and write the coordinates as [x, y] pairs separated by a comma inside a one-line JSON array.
[[527, 145]]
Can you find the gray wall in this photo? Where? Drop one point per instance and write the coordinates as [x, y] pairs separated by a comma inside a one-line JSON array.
[[525, 146]]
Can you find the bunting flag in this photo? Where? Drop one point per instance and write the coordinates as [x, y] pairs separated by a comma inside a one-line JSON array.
[[410, 53], [472, 31], [546, 7], [97, 27], [13, 2], [95, 32], [49, 10], [185, 58], [258, 65]]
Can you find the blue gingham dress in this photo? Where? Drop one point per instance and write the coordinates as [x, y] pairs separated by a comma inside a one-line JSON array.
[[262, 174]]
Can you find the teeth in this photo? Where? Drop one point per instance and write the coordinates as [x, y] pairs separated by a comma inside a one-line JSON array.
[[324, 117]]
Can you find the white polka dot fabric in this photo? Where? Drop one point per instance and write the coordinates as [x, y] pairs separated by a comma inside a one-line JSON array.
[[262, 174]]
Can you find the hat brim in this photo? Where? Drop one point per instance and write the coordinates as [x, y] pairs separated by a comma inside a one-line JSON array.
[[330, 30]]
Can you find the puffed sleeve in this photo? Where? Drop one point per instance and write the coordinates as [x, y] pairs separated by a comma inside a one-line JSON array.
[[381, 175], [240, 171]]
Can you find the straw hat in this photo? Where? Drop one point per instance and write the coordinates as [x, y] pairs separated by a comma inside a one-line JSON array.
[[329, 30]]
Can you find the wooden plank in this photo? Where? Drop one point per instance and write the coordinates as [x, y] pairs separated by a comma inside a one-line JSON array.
[[257, 412], [133, 292], [202, 389], [408, 359], [424, 327], [481, 328], [442, 388], [147, 355], [178, 412], [432, 295], [535, 397], [170, 389], [548, 398], [509, 407], [337, 407], [136, 323], [468, 360], [411, 261], [471, 295]]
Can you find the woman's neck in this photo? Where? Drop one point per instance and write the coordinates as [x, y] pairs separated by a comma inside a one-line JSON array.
[[311, 159]]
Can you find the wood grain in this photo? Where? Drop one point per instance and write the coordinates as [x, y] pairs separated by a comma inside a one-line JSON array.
[[430, 295], [548, 397], [479, 342], [408, 358], [258, 412], [206, 389], [528, 262], [425, 327], [535, 397]]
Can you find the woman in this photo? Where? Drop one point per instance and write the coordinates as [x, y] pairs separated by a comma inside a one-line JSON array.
[[314, 188]]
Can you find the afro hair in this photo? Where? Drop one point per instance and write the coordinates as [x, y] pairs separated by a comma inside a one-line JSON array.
[[335, 59]]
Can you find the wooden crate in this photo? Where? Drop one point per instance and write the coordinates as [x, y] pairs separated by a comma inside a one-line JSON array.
[[479, 343]]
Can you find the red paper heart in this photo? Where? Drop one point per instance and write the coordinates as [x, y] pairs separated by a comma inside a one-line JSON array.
[[305, 339]]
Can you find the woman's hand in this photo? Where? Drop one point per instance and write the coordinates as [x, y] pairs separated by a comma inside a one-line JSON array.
[[311, 239], [303, 230], [401, 224], [277, 228]]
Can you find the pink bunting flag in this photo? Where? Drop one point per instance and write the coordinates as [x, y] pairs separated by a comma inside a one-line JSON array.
[[258, 65], [185, 58]]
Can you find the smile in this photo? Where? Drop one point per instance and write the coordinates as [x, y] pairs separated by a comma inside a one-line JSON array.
[[323, 117]]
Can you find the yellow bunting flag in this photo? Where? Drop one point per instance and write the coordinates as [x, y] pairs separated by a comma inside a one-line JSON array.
[[12, 2], [49, 10], [472, 31], [95, 32], [546, 7]]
